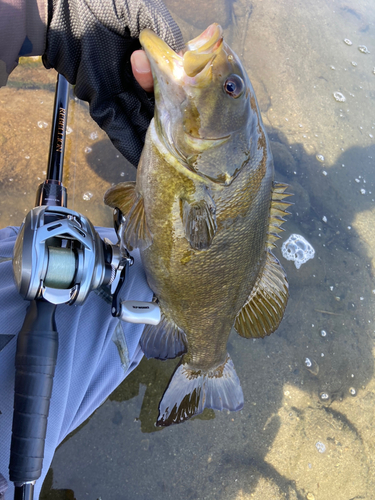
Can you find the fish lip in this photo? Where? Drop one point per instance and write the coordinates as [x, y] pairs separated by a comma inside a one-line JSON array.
[[186, 68], [161, 56], [207, 35]]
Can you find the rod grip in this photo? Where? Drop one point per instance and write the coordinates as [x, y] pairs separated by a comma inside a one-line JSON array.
[[37, 346]]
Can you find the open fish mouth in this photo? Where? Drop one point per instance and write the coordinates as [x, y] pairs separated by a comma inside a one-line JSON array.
[[175, 76], [192, 67]]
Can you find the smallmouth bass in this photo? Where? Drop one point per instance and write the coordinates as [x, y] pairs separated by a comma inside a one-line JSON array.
[[205, 213]]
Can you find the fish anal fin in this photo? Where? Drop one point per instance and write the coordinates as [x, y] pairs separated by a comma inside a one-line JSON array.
[[124, 196], [199, 220], [190, 391], [264, 309], [163, 341]]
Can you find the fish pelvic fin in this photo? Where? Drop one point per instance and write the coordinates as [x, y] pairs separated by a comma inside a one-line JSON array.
[[125, 197], [199, 220], [265, 306], [163, 341], [190, 391], [277, 213]]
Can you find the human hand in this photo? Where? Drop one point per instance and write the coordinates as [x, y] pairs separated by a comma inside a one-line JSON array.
[[90, 42], [142, 70]]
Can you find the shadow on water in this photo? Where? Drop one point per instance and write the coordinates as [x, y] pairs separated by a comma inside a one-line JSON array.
[[105, 168], [288, 409]]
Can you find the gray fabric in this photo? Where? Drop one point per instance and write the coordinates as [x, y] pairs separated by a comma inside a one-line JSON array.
[[3, 486], [90, 42], [88, 367]]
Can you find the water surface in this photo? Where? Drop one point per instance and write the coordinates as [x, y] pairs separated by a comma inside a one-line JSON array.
[[305, 431]]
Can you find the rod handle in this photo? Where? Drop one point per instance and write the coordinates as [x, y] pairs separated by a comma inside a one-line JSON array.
[[37, 346]]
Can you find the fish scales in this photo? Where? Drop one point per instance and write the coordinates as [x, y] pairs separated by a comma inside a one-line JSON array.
[[219, 267], [204, 212]]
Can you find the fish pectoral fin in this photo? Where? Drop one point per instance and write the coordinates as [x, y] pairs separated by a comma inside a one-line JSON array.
[[264, 308], [122, 196], [163, 341], [190, 391], [199, 220], [125, 197]]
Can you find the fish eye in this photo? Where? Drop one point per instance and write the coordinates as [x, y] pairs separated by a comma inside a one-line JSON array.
[[234, 86]]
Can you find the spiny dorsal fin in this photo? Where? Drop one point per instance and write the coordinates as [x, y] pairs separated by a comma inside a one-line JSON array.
[[125, 197], [264, 309], [163, 341], [277, 212]]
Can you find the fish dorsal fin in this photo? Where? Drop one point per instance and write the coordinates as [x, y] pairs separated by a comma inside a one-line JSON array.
[[199, 219], [163, 341], [125, 197], [264, 308], [277, 213]]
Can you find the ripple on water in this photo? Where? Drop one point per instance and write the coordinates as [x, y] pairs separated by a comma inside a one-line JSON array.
[[324, 396], [87, 196], [363, 49], [312, 366], [321, 447], [339, 97], [297, 249]]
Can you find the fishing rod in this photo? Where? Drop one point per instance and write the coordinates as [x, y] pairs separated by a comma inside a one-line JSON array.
[[58, 258]]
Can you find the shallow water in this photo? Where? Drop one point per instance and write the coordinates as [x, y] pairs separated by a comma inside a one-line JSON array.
[[306, 430]]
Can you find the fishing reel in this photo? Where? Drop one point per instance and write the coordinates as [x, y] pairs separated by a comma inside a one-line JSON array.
[[60, 257]]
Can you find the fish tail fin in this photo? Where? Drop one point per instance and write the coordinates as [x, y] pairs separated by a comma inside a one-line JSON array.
[[190, 391]]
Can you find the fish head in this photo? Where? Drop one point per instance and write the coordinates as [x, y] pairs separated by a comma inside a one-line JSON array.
[[205, 108]]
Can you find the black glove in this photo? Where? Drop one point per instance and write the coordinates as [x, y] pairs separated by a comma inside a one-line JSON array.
[[90, 42]]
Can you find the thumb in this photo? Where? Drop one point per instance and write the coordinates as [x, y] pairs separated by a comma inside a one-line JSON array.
[[142, 70]]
